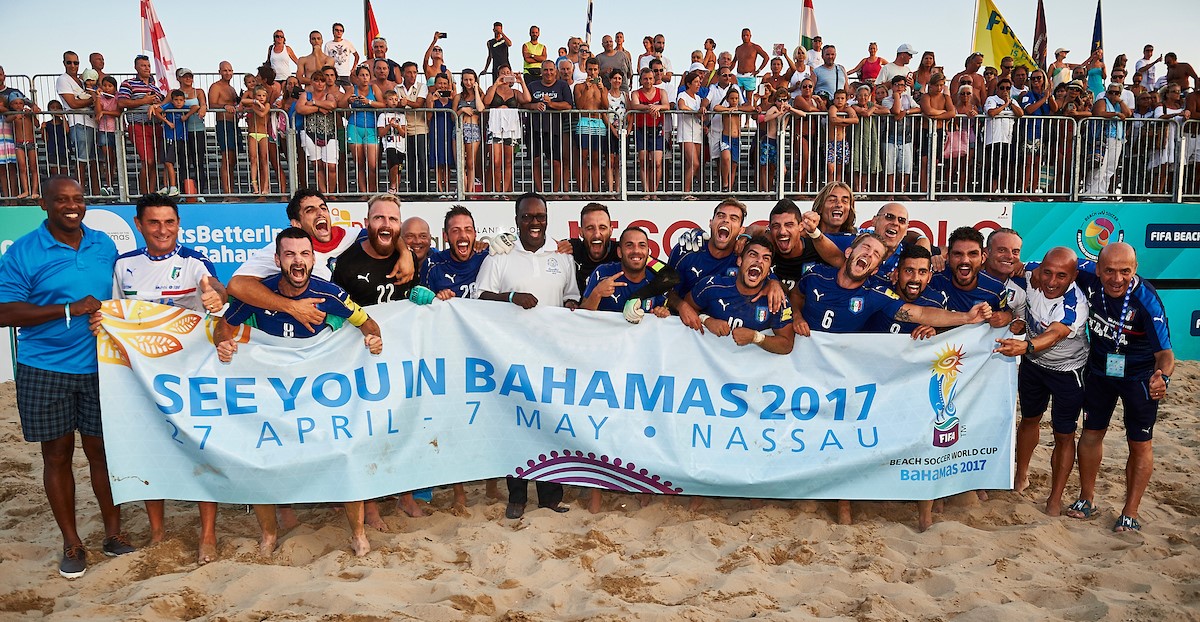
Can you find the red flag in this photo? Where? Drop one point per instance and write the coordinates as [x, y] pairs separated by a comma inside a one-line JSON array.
[[372, 29], [1039, 37], [154, 40]]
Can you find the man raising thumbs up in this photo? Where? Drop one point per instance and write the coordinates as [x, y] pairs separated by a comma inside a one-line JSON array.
[[168, 273]]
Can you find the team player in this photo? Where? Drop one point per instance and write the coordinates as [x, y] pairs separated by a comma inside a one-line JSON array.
[[1055, 355], [295, 257], [910, 281], [594, 246], [1130, 358], [964, 281], [614, 284], [308, 211], [362, 270], [732, 306], [837, 300], [453, 272], [797, 243], [166, 272], [530, 275], [1003, 262], [891, 224]]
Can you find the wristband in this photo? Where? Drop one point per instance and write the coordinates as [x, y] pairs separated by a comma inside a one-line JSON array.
[[510, 295], [704, 317], [815, 234], [759, 337], [67, 312]]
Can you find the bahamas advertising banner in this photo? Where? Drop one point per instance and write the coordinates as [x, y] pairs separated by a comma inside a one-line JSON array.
[[468, 390], [1165, 235]]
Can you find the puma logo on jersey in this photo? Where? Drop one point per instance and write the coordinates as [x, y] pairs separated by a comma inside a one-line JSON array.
[[817, 294], [450, 277], [697, 272], [364, 277], [724, 305]]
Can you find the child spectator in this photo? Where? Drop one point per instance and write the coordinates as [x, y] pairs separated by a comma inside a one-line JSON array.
[[392, 131], [107, 112], [23, 122], [841, 115], [173, 115], [768, 154], [258, 110]]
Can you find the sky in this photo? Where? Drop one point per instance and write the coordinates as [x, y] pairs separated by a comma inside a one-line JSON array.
[[202, 34]]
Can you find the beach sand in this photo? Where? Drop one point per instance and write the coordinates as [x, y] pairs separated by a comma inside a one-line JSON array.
[[1000, 559]]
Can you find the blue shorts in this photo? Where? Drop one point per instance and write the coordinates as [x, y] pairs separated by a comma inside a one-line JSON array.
[[1036, 385], [648, 138], [84, 140], [228, 136], [1100, 400], [733, 145], [54, 404], [357, 135], [839, 152], [768, 151], [107, 140]]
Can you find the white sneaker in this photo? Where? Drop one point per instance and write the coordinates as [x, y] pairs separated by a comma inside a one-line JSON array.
[[173, 191], [165, 190]]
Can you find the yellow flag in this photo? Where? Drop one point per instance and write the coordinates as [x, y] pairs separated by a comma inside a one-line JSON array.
[[995, 40]]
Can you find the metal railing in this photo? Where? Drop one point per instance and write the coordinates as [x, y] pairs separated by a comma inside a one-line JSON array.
[[601, 154]]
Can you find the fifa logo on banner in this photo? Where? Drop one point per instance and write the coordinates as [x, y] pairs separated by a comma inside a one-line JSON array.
[[942, 383]]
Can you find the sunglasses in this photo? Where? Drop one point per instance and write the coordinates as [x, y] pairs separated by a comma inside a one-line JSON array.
[[892, 217], [278, 36], [70, 62]]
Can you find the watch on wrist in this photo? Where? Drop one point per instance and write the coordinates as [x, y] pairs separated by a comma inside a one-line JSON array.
[[1166, 380], [1029, 349]]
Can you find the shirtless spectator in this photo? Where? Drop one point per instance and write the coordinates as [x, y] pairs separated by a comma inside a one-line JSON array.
[[748, 66], [970, 70], [379, 50], [1179, 73], [308, 66], [343, 53], [379, 75], [841, 115], [223, 99], [592, 130]]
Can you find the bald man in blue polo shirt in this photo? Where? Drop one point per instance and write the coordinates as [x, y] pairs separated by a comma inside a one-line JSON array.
[[50, 281]]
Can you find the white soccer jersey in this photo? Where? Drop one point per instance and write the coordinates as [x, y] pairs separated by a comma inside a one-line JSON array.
[[173, 279]]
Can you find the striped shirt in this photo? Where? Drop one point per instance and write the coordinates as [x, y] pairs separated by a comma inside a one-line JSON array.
[[134, 88]]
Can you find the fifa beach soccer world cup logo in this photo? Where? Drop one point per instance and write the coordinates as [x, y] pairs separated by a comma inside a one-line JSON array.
[[1099, 230], [942, 383]]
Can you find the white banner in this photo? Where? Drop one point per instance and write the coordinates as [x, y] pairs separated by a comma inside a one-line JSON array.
[[468, 390]]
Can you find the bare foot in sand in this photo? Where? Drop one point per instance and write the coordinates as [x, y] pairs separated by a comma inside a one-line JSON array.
[[459, 505], [207, 552], [982, 495], [1053, 507], [924, 515], [644, 499], [843, 513], [266, 545], [371, 516], [360, 545], [594, 501], [157, 535], [409, 506], [491, 489], [1020, 485], [287, 519], [939, 505]]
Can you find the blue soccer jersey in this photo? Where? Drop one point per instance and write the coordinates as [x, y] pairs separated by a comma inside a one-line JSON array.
[[446, 272], [692, 267], [719, 297], [1137, 334], [831, 308], [624, 291], [987, 289], [337, 306], [884, 323]]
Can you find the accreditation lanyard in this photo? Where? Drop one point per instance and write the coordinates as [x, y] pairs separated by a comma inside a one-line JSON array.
[[1114, 364]]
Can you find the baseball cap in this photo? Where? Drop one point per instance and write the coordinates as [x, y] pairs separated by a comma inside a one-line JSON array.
[[1061, 50], [183, 71], [695, 67], [89, 74], [906, 49]]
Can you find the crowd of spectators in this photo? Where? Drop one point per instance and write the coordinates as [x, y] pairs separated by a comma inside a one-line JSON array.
[[727, 122]]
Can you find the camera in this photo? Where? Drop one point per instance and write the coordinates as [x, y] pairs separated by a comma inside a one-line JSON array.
[[443, 93], [295, 92]]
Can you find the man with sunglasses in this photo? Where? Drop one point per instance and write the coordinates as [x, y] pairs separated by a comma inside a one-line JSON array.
[[1036, 101], [83, 126], [343, 53]]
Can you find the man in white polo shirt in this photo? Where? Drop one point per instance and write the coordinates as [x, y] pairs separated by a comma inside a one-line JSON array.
[[73, 96], [530, 274]]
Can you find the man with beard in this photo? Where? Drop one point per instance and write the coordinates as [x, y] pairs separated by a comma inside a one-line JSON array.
[[964, 281], [910, 281], [362, 271], [716, 256], [891, 224], [837, 300], [453, 272], [308, 211], [295, 258], [727, 306], [793, 254], [530, 275], [1053, 367], [594, 246]]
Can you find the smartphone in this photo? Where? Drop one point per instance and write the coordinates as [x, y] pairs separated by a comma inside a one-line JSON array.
[[442, 35], [780, 49], [443, 93], [509, 79]]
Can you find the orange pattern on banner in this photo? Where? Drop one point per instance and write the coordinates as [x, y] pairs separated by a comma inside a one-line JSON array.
[[149, 329]]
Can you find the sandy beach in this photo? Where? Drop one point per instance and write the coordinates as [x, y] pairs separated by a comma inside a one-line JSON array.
[[1001, 559]]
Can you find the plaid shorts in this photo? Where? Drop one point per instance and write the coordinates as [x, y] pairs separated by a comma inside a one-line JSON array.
[[53, 404]]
